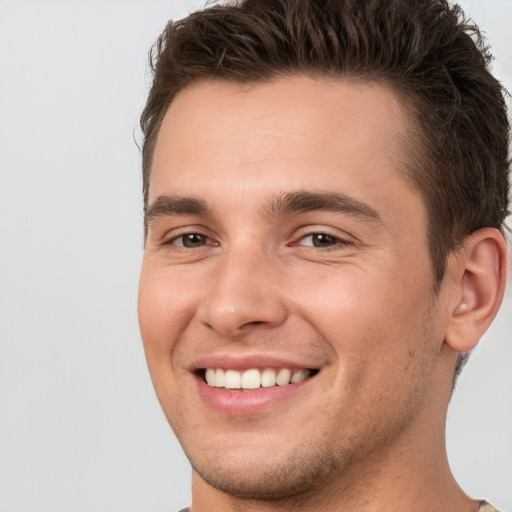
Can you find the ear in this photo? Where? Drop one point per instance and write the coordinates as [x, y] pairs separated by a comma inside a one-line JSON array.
[[478, 276]]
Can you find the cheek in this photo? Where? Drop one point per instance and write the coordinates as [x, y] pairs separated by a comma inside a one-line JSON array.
[[164, 311], [381, 341], [162, 318], [366, 316]]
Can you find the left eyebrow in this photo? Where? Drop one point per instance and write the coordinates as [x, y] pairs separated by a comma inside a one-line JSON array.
[[305, 201]]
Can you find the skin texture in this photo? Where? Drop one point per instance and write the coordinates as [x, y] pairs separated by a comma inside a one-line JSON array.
[[367, 431]]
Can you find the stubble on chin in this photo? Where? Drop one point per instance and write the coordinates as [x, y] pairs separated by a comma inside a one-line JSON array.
[[273, 479]]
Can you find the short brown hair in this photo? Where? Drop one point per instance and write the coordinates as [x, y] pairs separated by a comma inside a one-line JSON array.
[[425, 49]]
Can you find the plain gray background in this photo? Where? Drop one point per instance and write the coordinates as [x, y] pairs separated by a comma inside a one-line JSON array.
[[80, 428]]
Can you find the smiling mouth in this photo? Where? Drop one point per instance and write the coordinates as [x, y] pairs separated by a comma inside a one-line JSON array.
[[254, 378]]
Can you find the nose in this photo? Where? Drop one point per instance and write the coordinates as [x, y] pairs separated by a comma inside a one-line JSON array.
[[243, 292]]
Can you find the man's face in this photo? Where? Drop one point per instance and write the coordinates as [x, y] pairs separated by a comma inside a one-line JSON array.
[[282, 236]]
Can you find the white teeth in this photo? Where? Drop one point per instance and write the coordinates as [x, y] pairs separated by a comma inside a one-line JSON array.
[[268, 378], [232, 379], [299, 376], [283, 377], [210, 376], [253, 378], [219, 378]]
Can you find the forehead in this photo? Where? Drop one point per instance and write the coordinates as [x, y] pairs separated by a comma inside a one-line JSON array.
[[295, 132]]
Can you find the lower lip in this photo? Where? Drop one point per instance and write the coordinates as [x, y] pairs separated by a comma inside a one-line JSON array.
[[247, 402]]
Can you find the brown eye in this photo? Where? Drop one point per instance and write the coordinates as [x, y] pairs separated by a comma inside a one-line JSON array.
[[320, 240], [323, 240], [190, 240]]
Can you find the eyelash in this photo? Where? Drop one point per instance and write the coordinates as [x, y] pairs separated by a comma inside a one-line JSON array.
[[183, 237], [336, 241]]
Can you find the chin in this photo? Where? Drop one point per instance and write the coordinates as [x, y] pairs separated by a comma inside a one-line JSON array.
[[272, 478]]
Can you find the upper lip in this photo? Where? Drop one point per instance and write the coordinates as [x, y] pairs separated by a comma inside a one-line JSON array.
[[246, 362]]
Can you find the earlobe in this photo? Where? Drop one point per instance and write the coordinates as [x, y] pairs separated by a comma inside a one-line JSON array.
[[479, 275]]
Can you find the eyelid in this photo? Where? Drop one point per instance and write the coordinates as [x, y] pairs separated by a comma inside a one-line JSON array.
[[174, 234], [172, 240], [342, 240]]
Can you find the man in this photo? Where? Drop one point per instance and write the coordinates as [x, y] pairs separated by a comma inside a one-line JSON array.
[[325, 187]]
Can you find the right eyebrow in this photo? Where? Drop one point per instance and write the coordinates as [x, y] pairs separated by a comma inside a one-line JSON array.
[[175, 205]]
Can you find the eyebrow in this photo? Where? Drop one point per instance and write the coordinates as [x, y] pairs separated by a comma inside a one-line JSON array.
[[175, 205], [284, 204], [305, 201]]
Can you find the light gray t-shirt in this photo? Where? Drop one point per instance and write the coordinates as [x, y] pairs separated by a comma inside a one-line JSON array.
[[485, 507]]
